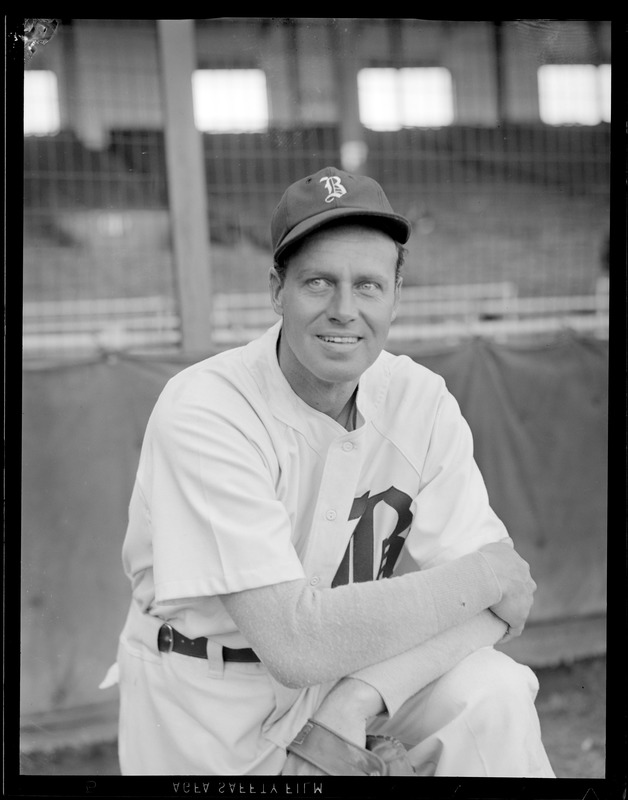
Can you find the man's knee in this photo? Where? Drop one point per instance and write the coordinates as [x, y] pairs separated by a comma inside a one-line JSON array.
[[488, 680], [487, 694]]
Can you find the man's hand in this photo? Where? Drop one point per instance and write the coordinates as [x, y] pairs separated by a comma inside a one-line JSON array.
[[345, 710], [513, 575]]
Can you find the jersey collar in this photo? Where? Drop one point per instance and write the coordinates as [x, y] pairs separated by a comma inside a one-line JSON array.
[[260, 356]]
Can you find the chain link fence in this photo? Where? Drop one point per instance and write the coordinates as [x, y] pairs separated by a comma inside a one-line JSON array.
[[506, 200]]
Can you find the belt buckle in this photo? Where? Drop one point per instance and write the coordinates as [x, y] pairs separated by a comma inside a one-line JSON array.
[[165, 638]]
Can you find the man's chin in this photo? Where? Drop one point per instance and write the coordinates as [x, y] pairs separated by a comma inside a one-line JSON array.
[[340, 373]]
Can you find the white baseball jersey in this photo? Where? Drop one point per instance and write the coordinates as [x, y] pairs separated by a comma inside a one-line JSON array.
[[241, 484]]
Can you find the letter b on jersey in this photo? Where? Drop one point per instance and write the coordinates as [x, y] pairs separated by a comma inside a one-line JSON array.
[[358, 561]]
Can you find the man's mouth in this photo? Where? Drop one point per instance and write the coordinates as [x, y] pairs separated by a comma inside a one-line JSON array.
[[340, 339]]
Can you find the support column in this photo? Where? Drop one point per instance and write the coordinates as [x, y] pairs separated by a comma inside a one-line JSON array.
[[500, 90], [186, 183], [353, 147]]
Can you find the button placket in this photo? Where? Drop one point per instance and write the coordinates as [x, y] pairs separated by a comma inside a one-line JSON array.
[[336, 495]]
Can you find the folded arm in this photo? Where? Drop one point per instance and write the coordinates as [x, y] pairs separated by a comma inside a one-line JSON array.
[[306, 636], [384, 687], [400, 677]]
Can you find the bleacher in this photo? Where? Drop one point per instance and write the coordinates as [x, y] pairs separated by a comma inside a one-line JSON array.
[[447, 312]]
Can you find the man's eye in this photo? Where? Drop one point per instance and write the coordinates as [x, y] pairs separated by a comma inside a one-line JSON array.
[[317, 283], [369, 286]]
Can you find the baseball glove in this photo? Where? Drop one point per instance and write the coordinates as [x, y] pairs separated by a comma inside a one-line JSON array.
[[318, 750]]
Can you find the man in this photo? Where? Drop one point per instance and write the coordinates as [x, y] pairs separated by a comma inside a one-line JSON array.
[[311, 548]]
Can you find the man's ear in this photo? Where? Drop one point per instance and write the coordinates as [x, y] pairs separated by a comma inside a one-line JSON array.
[[398, 283], [276, 286]]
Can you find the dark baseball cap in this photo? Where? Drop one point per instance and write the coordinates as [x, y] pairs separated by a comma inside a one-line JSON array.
[[327, 196]]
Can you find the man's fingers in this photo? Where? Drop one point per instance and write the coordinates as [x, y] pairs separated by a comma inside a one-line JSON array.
[[511, 633], [514, 614]]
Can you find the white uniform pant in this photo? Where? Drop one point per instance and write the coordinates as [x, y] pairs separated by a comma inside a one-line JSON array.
[[477, 720]]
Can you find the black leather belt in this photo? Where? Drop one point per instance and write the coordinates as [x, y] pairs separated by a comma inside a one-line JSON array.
[[171, 641]]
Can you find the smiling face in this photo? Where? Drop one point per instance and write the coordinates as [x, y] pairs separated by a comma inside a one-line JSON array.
[[337, 298]]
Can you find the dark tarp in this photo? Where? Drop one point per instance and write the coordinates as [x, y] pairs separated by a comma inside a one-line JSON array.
[[539, 417]]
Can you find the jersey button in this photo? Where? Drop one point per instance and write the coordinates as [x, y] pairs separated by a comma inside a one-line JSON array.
[[347, 447], [330, 515], [315, 580]]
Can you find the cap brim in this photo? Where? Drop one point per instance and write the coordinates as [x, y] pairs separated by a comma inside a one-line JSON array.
[[396, 226]]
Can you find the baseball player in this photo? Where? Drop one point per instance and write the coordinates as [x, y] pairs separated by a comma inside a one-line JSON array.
[[318, 577]]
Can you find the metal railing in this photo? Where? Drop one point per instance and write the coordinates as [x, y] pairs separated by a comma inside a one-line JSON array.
[[425, 313]]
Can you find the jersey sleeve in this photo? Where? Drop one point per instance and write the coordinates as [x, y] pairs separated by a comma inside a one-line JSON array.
[[452, 515], [216, 524]]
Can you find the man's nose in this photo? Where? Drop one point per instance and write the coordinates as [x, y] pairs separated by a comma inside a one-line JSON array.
[[342, 307]]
